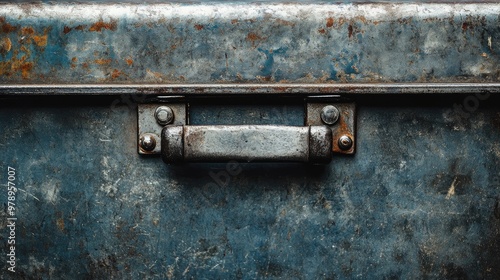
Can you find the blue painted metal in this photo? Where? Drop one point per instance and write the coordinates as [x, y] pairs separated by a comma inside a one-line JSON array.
[[235, 42], [418, 200]]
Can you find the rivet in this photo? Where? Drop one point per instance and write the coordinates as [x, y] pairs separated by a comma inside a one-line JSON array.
[[147, 142], [164, 115], [330, 114], [345, 142]]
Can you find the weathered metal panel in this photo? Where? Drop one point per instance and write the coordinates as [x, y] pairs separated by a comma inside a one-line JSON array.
[[420, 199], [236, 42]]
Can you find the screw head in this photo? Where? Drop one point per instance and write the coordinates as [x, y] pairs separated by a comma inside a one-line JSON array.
[[330, 114], [164, 115], [345, 142], [147, 142]]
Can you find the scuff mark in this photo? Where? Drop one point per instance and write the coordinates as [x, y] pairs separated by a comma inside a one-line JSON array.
[[451, 191]]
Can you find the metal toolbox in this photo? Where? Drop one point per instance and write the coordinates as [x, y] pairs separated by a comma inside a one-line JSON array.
[[250, 140]]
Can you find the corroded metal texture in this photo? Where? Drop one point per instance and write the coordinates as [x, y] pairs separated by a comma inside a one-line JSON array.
[[240, 42], [248, 143], [345, 126]]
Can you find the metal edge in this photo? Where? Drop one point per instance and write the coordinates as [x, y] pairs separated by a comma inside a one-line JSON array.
[[236, 89]]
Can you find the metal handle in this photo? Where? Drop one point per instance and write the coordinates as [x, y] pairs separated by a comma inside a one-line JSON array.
[[183, 143]]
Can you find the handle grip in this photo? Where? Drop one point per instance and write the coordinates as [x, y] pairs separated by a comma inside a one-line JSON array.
[[259, 143]]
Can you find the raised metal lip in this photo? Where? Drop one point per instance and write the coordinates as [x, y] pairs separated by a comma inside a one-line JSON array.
[[241, 89]]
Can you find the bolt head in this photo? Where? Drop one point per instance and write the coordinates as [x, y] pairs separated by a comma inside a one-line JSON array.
[[345, 142], [147, 142], [330, 114], [164, 115]]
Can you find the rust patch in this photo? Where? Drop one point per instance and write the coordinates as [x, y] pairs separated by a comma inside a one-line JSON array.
[[198, 26], [285, 22], [329, 22], [116, 73], [67, 30], [362, 19], [102, 61], [85, 65], [60, 224], [40, 41], [100, 25], [129, 61], [465, 26], [349, 30], [27, 31], [322, 31], [253, 37], [234, 21], [26, 68], [5, 45], [80, 28], [6, 27], [74, 60]]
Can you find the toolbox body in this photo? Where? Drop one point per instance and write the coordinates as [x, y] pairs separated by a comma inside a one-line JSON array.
[[414, 195]]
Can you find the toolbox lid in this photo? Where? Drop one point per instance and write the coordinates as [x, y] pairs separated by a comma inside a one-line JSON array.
[[188, 47]]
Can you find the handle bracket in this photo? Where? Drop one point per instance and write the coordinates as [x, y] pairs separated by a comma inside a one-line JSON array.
[[329, 127]]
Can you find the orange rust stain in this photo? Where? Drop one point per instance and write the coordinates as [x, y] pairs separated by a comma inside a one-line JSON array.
[[60, 224], [322, 31], [5, 45], [85, 65], [198, 26], [329, 22], [173, 47], [116, 73], [102, 61], [253, 37], [234, 21], [129, 61], [74, 60], [66, 30], [80, 27], [7, 28], [27, 31], [40, 41], [26, 69], [100, 25]]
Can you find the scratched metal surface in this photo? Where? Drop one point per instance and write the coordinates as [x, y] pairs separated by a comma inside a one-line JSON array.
[[418, 200], [238, 42]]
